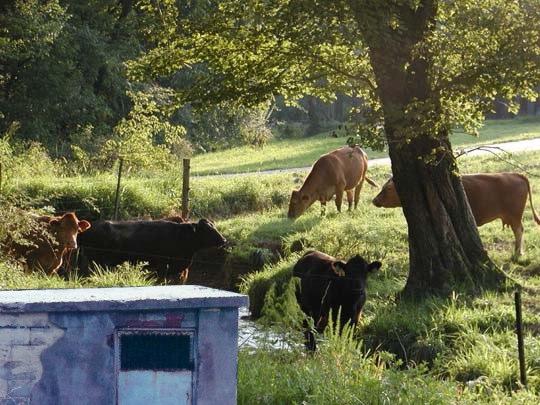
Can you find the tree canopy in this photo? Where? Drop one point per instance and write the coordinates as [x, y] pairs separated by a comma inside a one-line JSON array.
[[253, 50]]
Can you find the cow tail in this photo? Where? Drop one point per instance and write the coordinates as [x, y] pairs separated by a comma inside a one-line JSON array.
[[535, 215], [371, 182]]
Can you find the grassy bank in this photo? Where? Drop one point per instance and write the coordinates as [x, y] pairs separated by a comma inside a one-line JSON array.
[[290, 153], [472, 366], [155, 195], [465, 346], [455, 350], [94, 197]]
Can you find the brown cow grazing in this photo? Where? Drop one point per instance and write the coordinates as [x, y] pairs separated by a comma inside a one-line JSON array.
[[50, 241], [328, 284], [491, 196], [341, 170]]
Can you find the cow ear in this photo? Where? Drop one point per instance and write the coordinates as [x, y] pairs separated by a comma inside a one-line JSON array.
[[338, 268], [84, 225], [374, 267], [54, 222]]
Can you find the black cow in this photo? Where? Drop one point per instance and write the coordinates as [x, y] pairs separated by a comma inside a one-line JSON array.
[[167, 246], [327, 284]]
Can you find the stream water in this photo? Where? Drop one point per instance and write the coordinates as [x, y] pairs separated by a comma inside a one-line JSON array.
[[251, 335]]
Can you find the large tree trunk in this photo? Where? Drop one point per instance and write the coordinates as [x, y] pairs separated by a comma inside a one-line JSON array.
[[445, 249]]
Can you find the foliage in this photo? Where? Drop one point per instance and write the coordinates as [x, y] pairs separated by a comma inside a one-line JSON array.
[[460, 349], [62, 67], [224, 126], [13, 277], [343, 371], [145, 139], [293, 49], [421, 67]]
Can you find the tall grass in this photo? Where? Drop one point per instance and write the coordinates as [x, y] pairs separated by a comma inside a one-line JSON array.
[[12, 277], [342, 372], [466, 344], [454, 350]]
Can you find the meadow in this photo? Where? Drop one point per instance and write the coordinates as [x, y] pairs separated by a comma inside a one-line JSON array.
[[458, 349], [302, 152]]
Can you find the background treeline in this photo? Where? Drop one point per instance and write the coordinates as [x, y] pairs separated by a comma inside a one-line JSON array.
[[63, 85]]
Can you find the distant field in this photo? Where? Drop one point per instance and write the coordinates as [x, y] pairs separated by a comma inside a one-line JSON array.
[[291, 153]]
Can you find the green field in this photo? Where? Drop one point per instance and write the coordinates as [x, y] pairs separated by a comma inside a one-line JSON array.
[[459, 349], [456, 350], [292, 153]]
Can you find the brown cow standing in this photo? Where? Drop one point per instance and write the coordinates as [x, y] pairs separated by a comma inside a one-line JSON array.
[[45, 253], [341, 170], [491, 196]]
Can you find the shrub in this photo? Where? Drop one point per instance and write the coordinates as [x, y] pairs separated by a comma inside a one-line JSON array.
[[273, 279]]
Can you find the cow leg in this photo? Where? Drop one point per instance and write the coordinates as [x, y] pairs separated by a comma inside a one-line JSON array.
[[357, 193], [184, 276], [323, 208], [310, 340], [339, 197], [82, 264], [518, 233], [350, 198]]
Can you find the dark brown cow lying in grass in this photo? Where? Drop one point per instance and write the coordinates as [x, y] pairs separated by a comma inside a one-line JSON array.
[[49, 241], [343, 170], [330, 285], [491, 196]]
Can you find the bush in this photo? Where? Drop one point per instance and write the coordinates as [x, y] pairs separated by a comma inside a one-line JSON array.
[[224, 126], [273, 282], [290, 130]]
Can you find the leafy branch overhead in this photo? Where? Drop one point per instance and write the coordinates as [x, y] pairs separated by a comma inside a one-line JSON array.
[[249, 51]]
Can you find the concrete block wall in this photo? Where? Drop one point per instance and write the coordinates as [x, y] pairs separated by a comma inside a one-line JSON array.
[[58, 347], [23, 338]]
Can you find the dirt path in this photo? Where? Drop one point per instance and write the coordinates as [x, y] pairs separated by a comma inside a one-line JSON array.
[[479, 150]]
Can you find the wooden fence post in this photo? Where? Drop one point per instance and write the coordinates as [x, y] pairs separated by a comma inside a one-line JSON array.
[[185, 189], [519, 332], [117, 197]]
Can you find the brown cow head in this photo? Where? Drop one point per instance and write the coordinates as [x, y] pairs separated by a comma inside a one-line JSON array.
[[299, 203], [388, 196], [65, 229]]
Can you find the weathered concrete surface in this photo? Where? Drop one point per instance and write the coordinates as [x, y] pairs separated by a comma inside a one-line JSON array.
[[218, 354], [23, 338], [80, 367], [68, 355], [119, 299]]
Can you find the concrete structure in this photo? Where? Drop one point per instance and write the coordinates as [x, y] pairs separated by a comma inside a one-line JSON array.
[[141, 345]]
